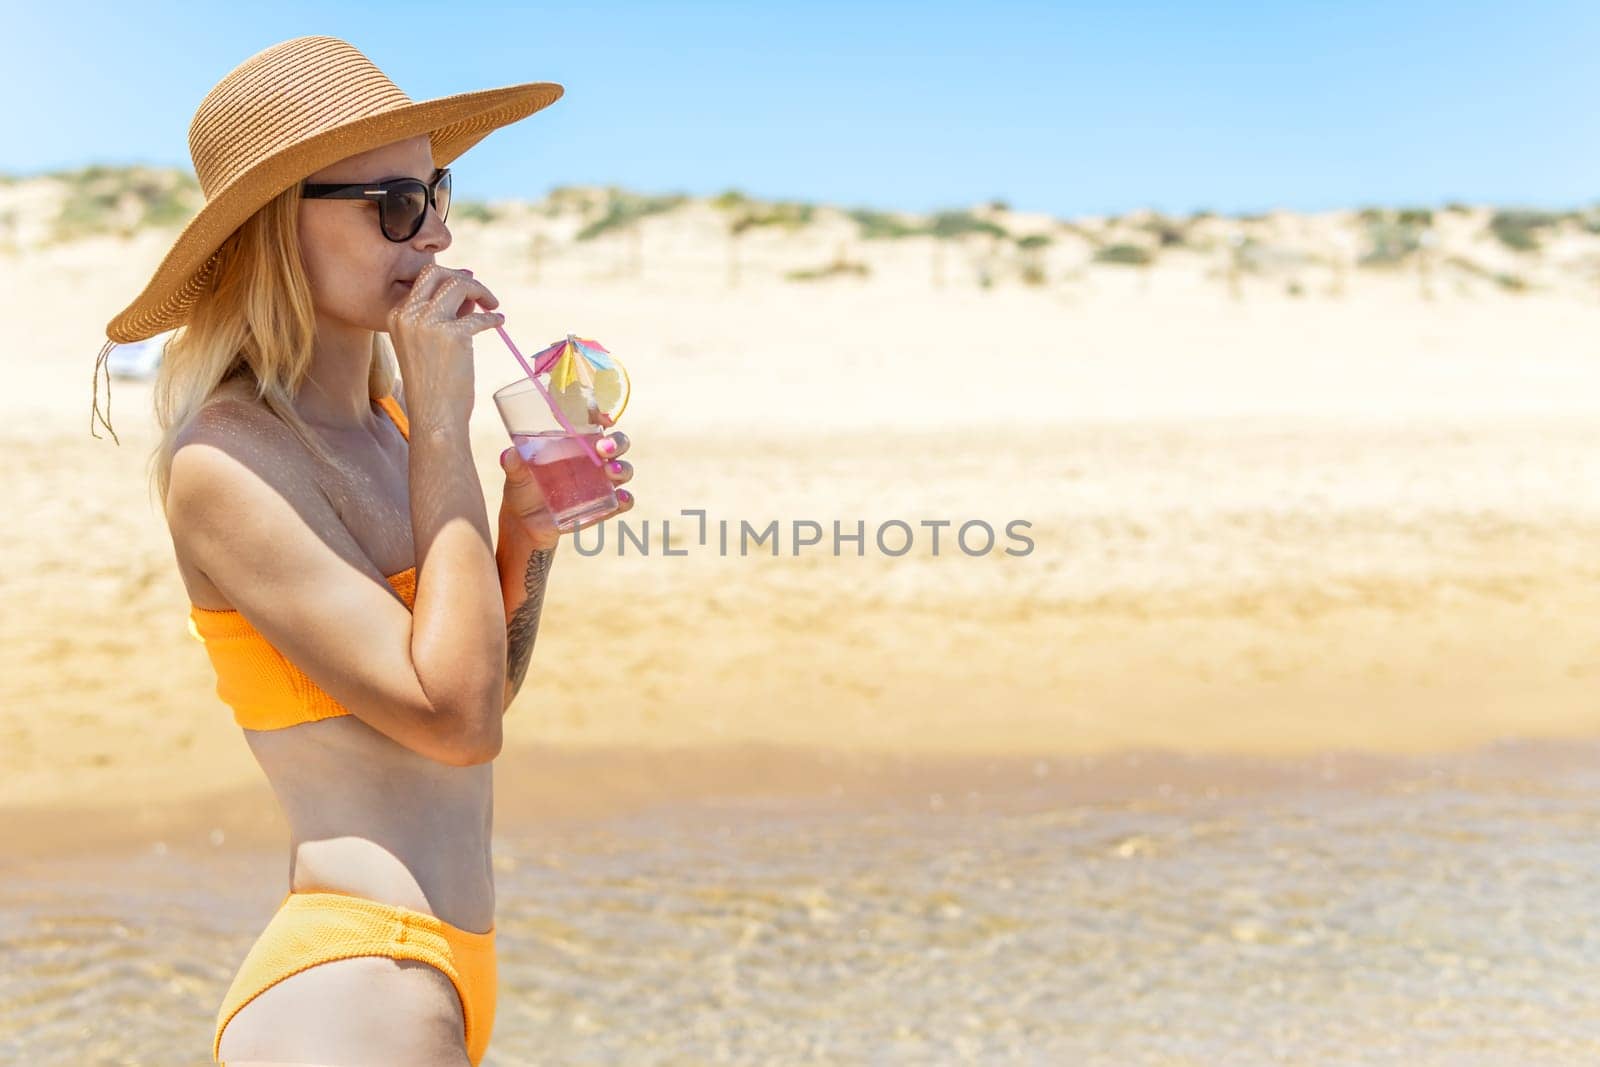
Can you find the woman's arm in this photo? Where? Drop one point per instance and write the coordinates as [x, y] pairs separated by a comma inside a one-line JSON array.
[[243, 512], [457, 641]]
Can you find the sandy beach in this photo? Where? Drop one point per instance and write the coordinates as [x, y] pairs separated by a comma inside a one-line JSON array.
[[1271, 705], [1262, 522]]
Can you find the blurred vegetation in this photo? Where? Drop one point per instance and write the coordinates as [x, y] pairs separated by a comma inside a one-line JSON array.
[[789, 214], [830, 270], [1392, 236], [471, 211], [121, 200], [1031, 247], [1519, 230], [875, 225], [567, 199], [623, 209], [1169, 233], [1125, 255], [99, 199], [946, 224], [880, 225]]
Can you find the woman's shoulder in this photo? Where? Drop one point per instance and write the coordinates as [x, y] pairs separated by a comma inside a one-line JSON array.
[[234, 421], [232, 418]]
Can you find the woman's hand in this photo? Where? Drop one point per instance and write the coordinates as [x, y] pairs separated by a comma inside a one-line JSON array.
[[524, 515], [432, 335]]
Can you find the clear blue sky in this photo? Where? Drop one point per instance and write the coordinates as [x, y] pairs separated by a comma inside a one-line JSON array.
[[1064, 107]]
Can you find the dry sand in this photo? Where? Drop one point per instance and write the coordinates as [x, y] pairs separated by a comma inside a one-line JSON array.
[[1276, 525]]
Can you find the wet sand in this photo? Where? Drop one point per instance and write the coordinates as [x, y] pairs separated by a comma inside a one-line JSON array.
[[1143, 908]]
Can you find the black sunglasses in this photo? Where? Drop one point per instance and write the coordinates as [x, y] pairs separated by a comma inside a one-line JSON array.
[[402, 202]]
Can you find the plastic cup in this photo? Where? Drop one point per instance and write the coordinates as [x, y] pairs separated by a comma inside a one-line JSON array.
[[575, 488]]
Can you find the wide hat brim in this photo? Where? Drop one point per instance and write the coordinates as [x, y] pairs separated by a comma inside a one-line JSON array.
[[453, 124]]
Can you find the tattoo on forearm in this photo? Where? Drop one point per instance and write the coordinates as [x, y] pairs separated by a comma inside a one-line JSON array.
[[524, 624]]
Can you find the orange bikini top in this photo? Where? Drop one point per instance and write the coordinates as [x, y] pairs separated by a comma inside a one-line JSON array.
[[265, 690]]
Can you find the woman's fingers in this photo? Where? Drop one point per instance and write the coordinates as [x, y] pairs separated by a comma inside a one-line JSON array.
[[443, 287], [523, 498], [522, 494], [613, 445]]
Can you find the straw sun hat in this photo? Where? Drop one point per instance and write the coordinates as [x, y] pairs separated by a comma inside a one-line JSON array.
[[281, 115]]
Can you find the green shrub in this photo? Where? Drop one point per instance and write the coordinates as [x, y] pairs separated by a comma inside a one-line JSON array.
[[566, 198], [959, 224], [471, 211], [624, 209], [881, 225], [877, 225], [1033, 241], [1512, 283], [1124, 255], [100, 199], [791, 215], [1391, 241], [1519, 230]]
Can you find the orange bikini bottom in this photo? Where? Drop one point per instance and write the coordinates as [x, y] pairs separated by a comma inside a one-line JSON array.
[[313, 928]]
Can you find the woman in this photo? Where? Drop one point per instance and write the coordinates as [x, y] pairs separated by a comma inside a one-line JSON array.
[[330, 529]]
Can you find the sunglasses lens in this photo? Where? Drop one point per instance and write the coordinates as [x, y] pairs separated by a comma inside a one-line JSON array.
[[441, 197], [403, 208]]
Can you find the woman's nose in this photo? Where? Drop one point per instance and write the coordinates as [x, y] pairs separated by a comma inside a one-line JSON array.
[[434, 235]]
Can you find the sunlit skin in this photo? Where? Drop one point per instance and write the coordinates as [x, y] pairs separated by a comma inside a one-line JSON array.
[[357, 276], [369, 817]]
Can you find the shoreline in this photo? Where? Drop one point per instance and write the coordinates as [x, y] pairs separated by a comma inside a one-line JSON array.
[[546, 787]]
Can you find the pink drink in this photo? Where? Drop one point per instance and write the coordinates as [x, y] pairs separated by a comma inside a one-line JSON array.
[[574, 488]]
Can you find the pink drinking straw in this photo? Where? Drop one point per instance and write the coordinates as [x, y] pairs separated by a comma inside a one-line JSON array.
[[555, 410]]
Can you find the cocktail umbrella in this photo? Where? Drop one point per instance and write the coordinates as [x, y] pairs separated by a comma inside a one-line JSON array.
[[573, 358], [602, 379], [534, 370]]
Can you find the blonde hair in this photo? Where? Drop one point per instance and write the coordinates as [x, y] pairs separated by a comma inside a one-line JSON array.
[[254, 320]]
